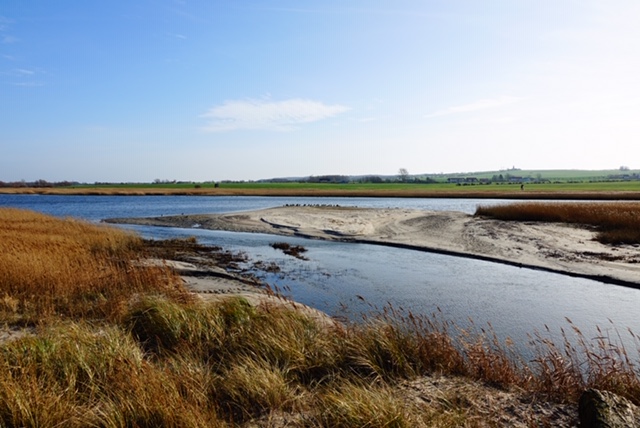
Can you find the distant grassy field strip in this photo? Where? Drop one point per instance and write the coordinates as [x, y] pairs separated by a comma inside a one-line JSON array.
[[596, 190]]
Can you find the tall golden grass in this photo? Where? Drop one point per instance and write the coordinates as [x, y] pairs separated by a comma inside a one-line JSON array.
[[55, 267], [143, 354], [616, 222]]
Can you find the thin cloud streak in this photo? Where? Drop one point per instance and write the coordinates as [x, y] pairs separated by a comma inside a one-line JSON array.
[[476, 106], [265, 115], [28, 84], [4, 23], [177, 36], [9, 39], [341, 10]]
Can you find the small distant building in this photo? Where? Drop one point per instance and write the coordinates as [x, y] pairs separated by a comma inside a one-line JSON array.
[[624, 177]]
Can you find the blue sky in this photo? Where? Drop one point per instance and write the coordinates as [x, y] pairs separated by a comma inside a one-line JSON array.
[[141, 90]]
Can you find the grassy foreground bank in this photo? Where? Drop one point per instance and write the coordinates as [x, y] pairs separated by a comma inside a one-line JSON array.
[[98, 337]]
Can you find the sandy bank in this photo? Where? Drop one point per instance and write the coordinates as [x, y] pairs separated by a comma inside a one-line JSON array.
[[214, 283], [559, 248]]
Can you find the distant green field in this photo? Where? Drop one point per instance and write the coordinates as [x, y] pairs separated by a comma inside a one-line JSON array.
[[391, 187], [548, 174], [561, 179], [594, 186], [563, 184]]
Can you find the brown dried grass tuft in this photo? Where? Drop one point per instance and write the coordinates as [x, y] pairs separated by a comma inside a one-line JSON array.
[[357, 404], [78, 375], [616, 222]]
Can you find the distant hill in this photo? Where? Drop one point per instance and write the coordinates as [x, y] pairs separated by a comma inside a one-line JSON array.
[[552, 175]]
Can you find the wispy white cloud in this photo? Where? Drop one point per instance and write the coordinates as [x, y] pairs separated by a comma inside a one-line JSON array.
[[367, 119], [26, 77], [9, 39], [24, 72], [268, 115], [177, 36], [28, 84], [4, 23], [484, 104], [343, 9]]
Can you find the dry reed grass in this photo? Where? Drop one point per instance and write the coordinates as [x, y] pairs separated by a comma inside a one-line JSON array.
[[616, 222], [54, 267]]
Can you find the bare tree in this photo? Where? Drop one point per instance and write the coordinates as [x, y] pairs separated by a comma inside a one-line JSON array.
[[404, 174]]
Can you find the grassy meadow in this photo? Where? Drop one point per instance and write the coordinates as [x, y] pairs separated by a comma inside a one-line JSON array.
[[559, 185], [94, 336]]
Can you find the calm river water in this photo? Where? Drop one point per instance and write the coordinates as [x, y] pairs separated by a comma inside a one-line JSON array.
[[338, 276]]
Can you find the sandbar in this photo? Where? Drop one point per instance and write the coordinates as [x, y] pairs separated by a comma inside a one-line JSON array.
[[555, 247]]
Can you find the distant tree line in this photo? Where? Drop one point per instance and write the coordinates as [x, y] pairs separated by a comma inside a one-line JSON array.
[[329, 179], [343, 179], [37, 183]]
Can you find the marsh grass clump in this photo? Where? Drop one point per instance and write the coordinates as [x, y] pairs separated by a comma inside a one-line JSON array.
[[162, 326], [365, 405], [76, 374], [250, 387], [616, 222], [234, 329], [395, 344]]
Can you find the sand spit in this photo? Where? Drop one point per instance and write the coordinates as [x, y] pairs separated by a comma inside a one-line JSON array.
[[561, 248]]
